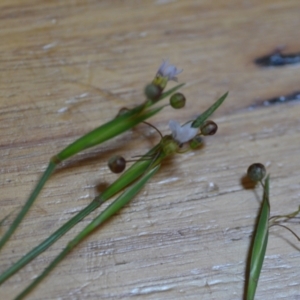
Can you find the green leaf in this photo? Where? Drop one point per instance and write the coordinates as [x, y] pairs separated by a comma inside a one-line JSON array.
[[28, 204], [259, 245], [106, 132], [203, 117], [113, 208], [93, 138], [129, 176]]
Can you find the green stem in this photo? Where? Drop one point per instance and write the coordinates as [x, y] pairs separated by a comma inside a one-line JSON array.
[[119, 203], [48, 242], [24, 210], [99, 135], [95, 137], [135, 171]]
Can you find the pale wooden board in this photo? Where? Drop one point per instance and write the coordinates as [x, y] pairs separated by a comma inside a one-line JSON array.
[[69, 66]]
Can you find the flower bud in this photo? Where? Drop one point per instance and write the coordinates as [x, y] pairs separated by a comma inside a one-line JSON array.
[[256, 172], [177, 100], [152, 91], [209, 128], [117, 164]]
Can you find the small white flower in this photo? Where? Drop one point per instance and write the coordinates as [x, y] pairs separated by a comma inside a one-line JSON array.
[[183, 133], [168, 70]]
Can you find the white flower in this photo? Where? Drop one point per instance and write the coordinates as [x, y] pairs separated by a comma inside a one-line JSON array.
[[168, 70], [183, 133]]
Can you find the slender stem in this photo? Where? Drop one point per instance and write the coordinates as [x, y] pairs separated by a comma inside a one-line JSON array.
[[95, 137], [113, 208], [150, 125], [24, 210], [289, 216], [290, 230], [48, 242], [166, 147], [124, 180]]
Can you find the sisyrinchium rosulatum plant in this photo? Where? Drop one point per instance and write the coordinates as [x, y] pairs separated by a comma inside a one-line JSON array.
[[182, 139], [257, 172], [125, 120]]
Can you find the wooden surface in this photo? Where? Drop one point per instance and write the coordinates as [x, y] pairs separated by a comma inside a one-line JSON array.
[[69, 66]]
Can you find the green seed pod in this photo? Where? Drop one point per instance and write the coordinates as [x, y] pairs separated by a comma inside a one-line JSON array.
[[152, 91], [256, 172], [177, 100], [117, 164], [209, 128], [196, 142]]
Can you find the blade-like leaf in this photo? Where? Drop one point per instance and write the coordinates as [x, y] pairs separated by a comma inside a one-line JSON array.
[[203, 117], [129, 176], [113, 208], [106, 132], [95, 137], [259, 245]]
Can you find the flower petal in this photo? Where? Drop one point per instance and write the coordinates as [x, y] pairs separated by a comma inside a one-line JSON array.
[[168, 70], [183, 133]]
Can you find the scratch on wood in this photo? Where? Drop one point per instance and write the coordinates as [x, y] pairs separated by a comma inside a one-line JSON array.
[[294, 96]]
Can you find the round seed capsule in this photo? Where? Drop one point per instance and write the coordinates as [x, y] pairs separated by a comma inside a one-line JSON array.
[[152, 91], [256, 172], [117, 164], [209, 128], [177, 100]]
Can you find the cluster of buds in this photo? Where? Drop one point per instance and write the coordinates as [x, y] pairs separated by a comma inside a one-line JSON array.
[[182, 134]]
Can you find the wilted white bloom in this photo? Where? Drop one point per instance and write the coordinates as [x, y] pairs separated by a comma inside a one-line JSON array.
[[168, 70], [183, 133]]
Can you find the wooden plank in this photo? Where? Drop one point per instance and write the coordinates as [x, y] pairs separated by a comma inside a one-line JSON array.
[[66, 67]]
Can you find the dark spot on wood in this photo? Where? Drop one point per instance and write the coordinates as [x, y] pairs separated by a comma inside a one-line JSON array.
[[277, 59]]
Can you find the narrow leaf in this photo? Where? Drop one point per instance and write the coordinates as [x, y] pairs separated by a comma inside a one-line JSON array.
[[203, 117], [95, 137], [28, 204], [106, 132], [129, 176], [259, 245], [113, 208]]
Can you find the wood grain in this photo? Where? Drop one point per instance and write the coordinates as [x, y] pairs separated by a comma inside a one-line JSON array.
[[69, 66]]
